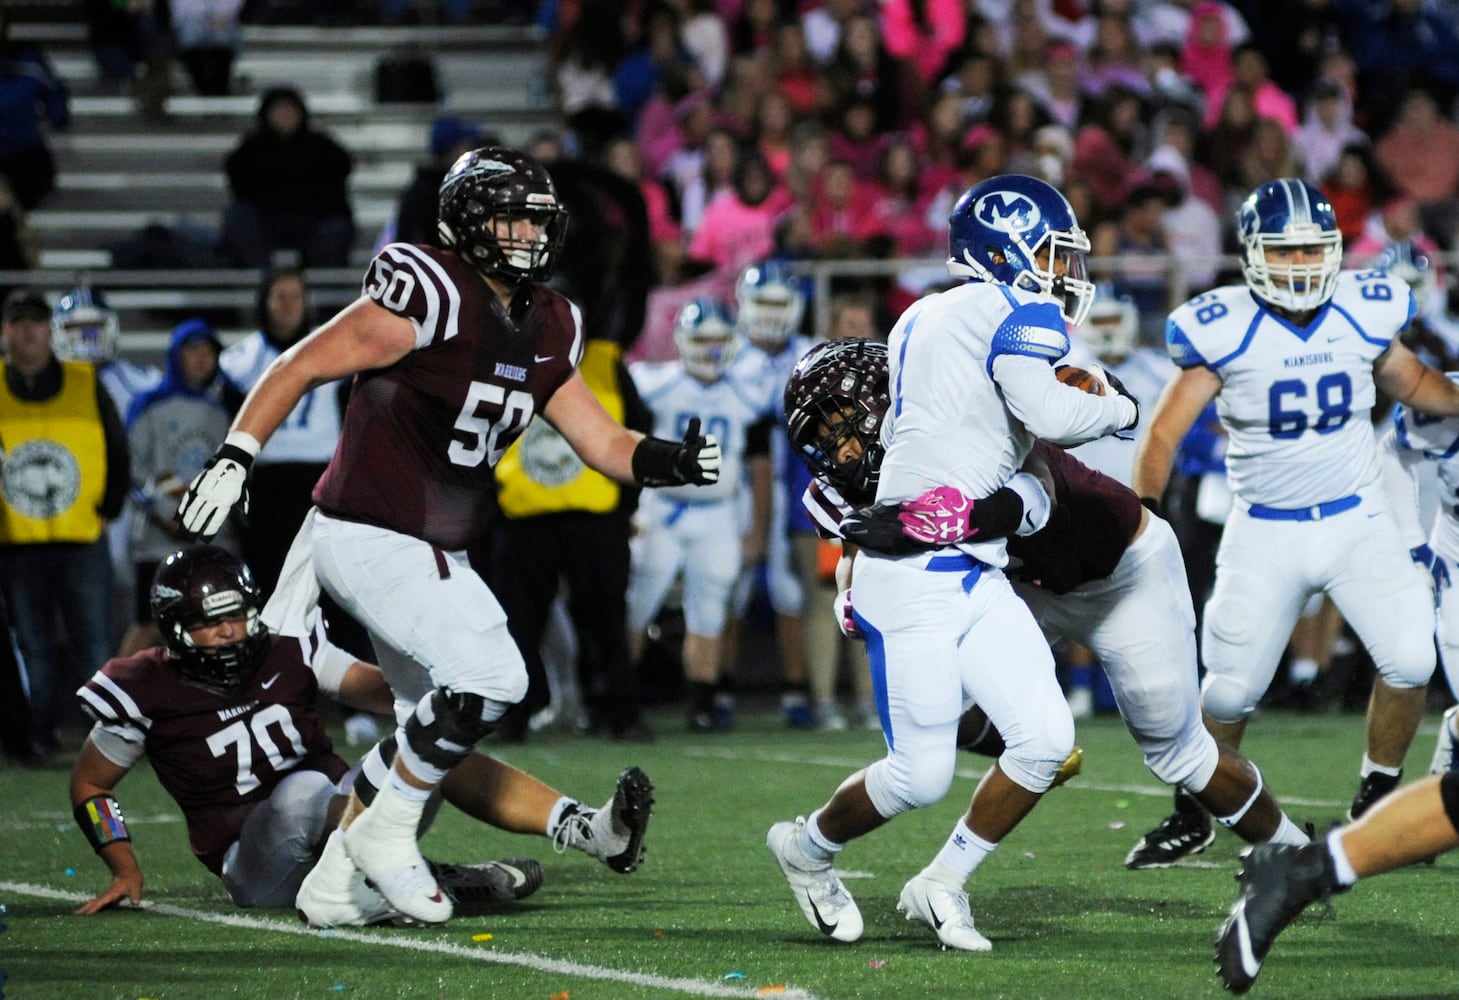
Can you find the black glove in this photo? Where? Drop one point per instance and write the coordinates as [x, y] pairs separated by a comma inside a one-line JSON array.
[[1114, 383], [879, 529], [657, 462]]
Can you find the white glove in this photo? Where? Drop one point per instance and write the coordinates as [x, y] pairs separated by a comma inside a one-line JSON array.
[[221, 486], [844, 618]]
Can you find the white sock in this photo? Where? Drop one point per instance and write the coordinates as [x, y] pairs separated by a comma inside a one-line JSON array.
[[1371, 768], [817, 846], [1289, 833], [1302, 670], [554, 818], [960, 856], [397, 808], [1340, 862]]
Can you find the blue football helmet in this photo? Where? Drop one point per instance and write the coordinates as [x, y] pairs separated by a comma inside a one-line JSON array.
[[1289, 213], [84, 328], [706, 339], [1016, 230], [770, 303], [1411, 266]]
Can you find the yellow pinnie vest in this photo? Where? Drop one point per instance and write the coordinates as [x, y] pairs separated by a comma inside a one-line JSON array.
[[54, 471], [541, 474]]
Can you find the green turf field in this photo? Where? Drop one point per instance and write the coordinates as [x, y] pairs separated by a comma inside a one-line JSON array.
[[709, 915]]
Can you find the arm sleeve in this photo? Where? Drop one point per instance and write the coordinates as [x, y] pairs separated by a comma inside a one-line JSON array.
[[1053, 411], [757, 437], [118, 457]]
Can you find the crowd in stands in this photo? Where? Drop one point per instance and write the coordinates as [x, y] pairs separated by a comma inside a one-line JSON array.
[[800, 130]]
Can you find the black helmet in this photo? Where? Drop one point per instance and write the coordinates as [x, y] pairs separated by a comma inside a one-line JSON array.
[[839, 390], [199, 586], [480, 193]]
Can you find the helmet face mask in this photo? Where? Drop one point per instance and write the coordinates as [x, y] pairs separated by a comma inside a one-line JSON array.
[[487, 199], [706, 339], [839, 391], [1020, 231], [1295, 220], [84, 328], [203, 586], [770, 305]]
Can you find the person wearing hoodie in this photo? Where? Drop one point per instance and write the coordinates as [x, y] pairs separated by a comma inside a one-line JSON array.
[[1327, 129], [290, 189], [171, 430]]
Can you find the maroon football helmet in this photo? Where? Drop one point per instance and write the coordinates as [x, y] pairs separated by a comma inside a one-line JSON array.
[[199, 586], [837, 391], [481, 193]]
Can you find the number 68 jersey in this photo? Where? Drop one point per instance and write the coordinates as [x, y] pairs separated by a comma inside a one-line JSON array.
[[1295, 401]]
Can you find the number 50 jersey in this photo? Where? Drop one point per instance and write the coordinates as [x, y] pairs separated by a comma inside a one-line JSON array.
[[421, 437], [1295, 401]]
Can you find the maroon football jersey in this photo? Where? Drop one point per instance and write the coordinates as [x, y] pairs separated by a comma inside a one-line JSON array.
[[421, 436], [1094, 519], [218, 756]]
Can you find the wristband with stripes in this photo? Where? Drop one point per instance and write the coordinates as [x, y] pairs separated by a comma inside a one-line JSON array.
[[100, 818]]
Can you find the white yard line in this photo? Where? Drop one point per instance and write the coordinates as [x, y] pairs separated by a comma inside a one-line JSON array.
[[405, 941]]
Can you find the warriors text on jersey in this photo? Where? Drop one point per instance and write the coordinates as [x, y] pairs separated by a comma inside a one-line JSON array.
[[1295, 401], [218, 755], [421, 436]]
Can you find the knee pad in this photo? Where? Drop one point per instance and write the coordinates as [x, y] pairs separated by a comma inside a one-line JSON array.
[[899, 783], [446, 724], [1187, 759], [374, 769], [1226, 699], [1413, 663], [1449, 792]]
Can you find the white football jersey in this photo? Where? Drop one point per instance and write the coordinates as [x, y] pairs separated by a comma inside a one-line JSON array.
[[726, 408], [1435, 439], [1295, 402], [311, 430], [972, 385]]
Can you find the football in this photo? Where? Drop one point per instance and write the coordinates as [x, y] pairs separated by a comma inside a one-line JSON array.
[[1079, 379]]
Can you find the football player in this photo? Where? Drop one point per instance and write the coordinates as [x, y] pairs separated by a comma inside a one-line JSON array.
[[224, 711], [769, 307], [1102, 571], [691, 532], [971, 385], [1293, 357], [453, 351]]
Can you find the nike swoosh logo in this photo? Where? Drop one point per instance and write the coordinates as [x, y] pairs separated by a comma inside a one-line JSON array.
[[540, 359], [270, 682], [1249, 962], [936, 921], [820, 922], [436, 898], [519, 877]]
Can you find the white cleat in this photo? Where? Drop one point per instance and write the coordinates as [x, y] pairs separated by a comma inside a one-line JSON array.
[[945, 910], [394, 866], [335, 894], [822, 898]]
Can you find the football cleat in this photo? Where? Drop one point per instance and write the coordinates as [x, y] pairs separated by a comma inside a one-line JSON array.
[[1372, 788], [1183, 833], [613, 834], [1278, 881], [1073, 764], [335, 894], [945, 910], [1445, 758], [494, 882], [393, 865], [822, 898]]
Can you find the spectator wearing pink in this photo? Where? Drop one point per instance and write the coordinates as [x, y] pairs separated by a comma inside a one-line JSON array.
[[1249, 69], [738, 227], [841, 216], [675, 290], [1327, 129], [622, 156], [796, 74], [1108, 151], [1421, 154], [673, 121], [899, 201], [716, 175], [1206, 55], [1397, 222], [774, 119], [924, 33]]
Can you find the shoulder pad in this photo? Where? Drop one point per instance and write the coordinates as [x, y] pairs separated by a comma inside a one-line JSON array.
[[1034, 330]]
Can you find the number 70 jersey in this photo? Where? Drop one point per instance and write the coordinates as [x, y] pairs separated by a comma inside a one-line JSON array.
[[1295, 401]]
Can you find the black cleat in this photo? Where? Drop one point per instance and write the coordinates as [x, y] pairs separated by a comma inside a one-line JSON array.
[[1183, 833], [1278, 882], [494, 882], [614, 833], [1373, 788]]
